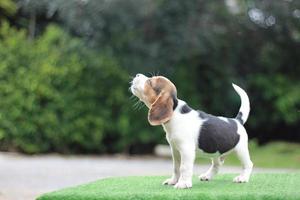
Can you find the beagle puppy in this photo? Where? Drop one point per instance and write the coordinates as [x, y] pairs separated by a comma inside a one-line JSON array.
[[188, 130]]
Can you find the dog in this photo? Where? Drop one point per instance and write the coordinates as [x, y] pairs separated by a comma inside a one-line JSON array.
[[188, 130]]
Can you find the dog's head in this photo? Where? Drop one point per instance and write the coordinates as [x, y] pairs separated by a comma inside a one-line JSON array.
[[158, 93]]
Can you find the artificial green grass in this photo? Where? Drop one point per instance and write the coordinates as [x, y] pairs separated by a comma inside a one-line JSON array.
[[261, 186], [271, 155]]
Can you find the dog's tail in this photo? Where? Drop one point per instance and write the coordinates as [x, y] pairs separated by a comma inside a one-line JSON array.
[[243, 114]]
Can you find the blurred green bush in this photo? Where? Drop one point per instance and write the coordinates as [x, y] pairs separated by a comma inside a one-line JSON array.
[[56, 95], [202, 46], [68, 92]]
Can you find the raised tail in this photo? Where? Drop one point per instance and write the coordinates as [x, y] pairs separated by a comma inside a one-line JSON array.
[[243, 114]]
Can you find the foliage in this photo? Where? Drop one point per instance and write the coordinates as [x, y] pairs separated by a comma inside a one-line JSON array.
[[7, 7], [203, 46], [261, 186], [68, 92], [56, 95]]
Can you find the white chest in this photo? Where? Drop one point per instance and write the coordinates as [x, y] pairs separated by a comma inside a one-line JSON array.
[[183, 128]]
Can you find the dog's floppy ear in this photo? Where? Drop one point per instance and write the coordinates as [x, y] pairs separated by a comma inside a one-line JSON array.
[[162, 109]]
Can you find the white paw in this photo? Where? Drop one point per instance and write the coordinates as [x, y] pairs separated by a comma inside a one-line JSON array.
[[183, 184], [205, 177], [170, 181], [241, 179]]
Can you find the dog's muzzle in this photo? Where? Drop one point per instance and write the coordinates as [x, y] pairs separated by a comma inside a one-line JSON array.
[[138, 84]]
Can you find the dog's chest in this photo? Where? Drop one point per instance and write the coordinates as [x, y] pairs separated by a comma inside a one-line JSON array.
[[183, 128]]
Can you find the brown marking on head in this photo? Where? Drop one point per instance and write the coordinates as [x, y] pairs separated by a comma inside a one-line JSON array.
[[160, 93]]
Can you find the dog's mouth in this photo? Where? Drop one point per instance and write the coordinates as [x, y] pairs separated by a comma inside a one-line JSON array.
[[133, 89]]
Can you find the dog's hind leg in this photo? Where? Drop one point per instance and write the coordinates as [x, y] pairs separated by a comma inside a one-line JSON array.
[[213, 170], [242, 152]]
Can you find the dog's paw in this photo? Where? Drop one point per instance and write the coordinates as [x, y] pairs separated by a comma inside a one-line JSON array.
[[170, 181], [183, 184], [205, 177], [241, 179]]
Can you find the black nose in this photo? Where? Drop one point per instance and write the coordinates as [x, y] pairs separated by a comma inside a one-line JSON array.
[[138, 75]]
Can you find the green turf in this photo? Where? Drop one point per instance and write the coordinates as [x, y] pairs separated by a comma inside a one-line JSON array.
[[272, 155], [261, 186]]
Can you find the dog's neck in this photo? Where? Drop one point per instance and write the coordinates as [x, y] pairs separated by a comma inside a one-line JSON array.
[[176, 112]]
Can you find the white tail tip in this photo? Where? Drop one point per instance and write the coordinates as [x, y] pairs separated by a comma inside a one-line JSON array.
[[245, 104]]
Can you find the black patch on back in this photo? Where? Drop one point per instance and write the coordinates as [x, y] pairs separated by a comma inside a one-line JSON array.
[[185, 109], [217, 135], [239, 117], [202, 114]]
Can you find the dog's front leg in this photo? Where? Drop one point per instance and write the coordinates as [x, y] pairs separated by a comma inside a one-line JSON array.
[[187, 155], [176, 165]]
